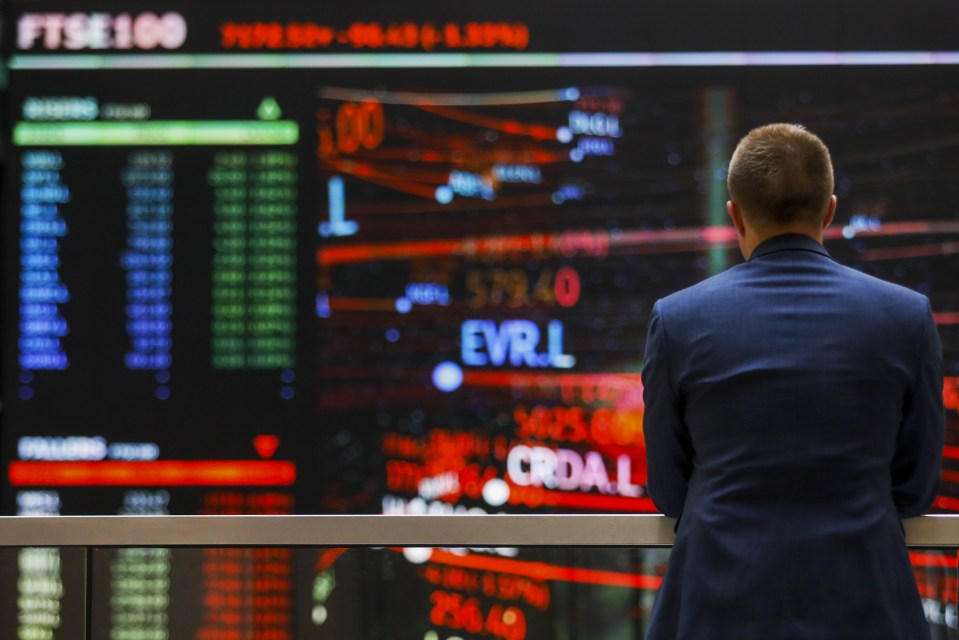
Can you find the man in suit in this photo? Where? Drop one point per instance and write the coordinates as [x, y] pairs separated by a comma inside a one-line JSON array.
[[793, 418]]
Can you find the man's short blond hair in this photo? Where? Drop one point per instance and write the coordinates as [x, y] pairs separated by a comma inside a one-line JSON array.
[[781, 174]]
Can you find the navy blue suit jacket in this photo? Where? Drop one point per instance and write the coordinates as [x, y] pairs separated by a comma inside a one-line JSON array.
[[793, 417]]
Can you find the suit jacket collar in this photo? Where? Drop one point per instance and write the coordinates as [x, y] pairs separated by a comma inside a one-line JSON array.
[[788, 242]]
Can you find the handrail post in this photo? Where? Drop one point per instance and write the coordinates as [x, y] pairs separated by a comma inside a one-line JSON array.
[[88, 593]]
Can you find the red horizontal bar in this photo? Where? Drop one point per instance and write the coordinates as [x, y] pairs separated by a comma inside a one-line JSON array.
[[947, 503], [545, 571], [932, 559], [598, 502], [154, 473], [488, 378], [362, 304], [946, 318]]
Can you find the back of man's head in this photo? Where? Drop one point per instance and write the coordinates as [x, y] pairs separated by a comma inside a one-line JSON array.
[[781, 176]]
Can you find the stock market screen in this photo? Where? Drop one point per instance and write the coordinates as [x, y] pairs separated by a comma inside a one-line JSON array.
[[385, 258]]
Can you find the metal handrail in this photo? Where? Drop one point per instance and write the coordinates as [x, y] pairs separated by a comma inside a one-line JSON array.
[[380, 530]]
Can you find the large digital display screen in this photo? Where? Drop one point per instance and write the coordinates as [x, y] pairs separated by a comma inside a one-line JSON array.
[[380, 258]]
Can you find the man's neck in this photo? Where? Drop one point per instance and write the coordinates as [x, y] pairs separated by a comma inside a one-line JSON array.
[[754, 238]]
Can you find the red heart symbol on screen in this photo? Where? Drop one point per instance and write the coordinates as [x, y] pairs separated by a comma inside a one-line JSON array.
[[266, 445]]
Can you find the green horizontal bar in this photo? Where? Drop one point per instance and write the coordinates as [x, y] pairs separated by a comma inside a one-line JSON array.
[[40, 62], [156, 132], [384, 60]]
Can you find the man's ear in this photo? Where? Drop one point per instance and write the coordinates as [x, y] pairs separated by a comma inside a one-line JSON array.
[[736, 215], [830, 213]]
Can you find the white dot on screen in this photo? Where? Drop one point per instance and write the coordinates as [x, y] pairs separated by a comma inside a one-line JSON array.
[[447, 376], [495, 492], [320, 614], [404, 305], [564, 135], [417, 555], [444, 194]]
